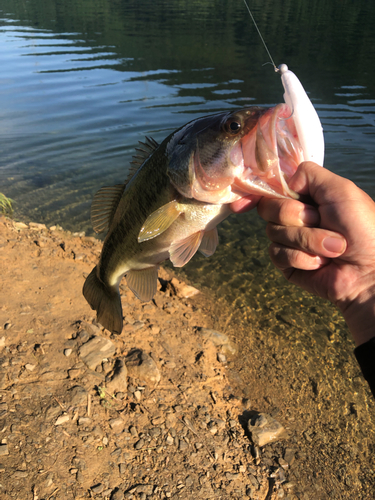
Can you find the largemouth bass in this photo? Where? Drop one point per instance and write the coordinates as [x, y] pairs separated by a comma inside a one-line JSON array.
[[180, 191]]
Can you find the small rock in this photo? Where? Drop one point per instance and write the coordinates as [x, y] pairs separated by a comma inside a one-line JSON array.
[[97, 488], [75, 373], [139, 444], [147, 489], [20, 474], [36, 225], [118, 382], [117, 494], [122, 468], [289, 456], [138, 395], [84, 421], [52, 412], [77, 395], [232, 476], [20, 225], [155, 432], [218, 339], [117, 425], [182, 445], [62, 420], [264, 429], [221, 357], [141, 366], [95, 350], [4, 450], [169, 440], [68, 352], [30, 367]]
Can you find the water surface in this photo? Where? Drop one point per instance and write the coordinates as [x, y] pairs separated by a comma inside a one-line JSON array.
[[83, 81]]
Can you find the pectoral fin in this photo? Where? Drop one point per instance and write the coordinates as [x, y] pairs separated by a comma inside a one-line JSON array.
[[159, 221], [143, 283], [209, 243], [182, 251]]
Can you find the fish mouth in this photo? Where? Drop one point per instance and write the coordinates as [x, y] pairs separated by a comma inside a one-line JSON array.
[[269, 155]]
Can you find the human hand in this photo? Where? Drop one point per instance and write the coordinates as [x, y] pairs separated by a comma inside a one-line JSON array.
[[328, 250]]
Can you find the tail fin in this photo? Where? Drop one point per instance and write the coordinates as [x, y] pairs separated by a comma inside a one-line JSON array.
[[105, 300]]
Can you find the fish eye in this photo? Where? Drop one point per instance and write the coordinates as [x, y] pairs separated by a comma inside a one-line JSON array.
[[233, 126]]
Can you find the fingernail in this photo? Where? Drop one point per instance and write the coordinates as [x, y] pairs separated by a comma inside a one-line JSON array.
[[310, 216], [334, 245]]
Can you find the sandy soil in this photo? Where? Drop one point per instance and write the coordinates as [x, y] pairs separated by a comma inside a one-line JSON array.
[[161, 411]]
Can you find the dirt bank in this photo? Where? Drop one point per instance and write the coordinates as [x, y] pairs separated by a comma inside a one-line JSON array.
[[161, 411]]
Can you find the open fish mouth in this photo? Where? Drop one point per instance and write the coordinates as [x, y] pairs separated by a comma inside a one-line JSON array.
[[271, 153]]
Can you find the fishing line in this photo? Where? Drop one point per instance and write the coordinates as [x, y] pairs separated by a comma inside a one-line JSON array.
[[260, 34]]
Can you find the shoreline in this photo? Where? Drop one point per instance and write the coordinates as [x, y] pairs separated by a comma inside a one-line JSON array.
[[85, 443]]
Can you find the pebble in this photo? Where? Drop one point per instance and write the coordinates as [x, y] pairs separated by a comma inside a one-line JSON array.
[[122, 468], [169, 440], [117, 424], [221, 357], [119, 379], [75, 373], [289, 456], [97, 488], [68, 352], [155, 432], [218, 339], [95, 350], [20, 474], [4, 450], [77, 395], [117, 494], [147, 489], [265, 429], [36, 225], [138, 395], [62, 420], [141, 366], [20, 225], [139, 444], [84, 421]]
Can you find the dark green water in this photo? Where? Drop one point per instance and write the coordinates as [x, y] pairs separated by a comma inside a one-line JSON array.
[[83, 80]]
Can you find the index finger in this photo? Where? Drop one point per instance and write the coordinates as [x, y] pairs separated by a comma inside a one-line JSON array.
[[287, 212]]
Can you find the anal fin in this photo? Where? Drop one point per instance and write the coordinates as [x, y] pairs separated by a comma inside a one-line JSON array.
[[143, 283], [182, 251], [209, 242]]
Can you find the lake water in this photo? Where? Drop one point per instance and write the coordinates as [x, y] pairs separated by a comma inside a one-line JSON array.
[[82, 81]]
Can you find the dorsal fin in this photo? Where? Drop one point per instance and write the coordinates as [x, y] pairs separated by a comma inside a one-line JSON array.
[[104, 206], [145, 151]]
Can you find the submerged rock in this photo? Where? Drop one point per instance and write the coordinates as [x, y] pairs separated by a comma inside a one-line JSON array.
[[264, 429]]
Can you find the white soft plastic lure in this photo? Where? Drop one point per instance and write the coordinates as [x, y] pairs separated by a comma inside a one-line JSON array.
[[305, 117]]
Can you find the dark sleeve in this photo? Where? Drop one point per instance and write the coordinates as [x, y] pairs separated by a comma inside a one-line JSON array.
[[365, 354]]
